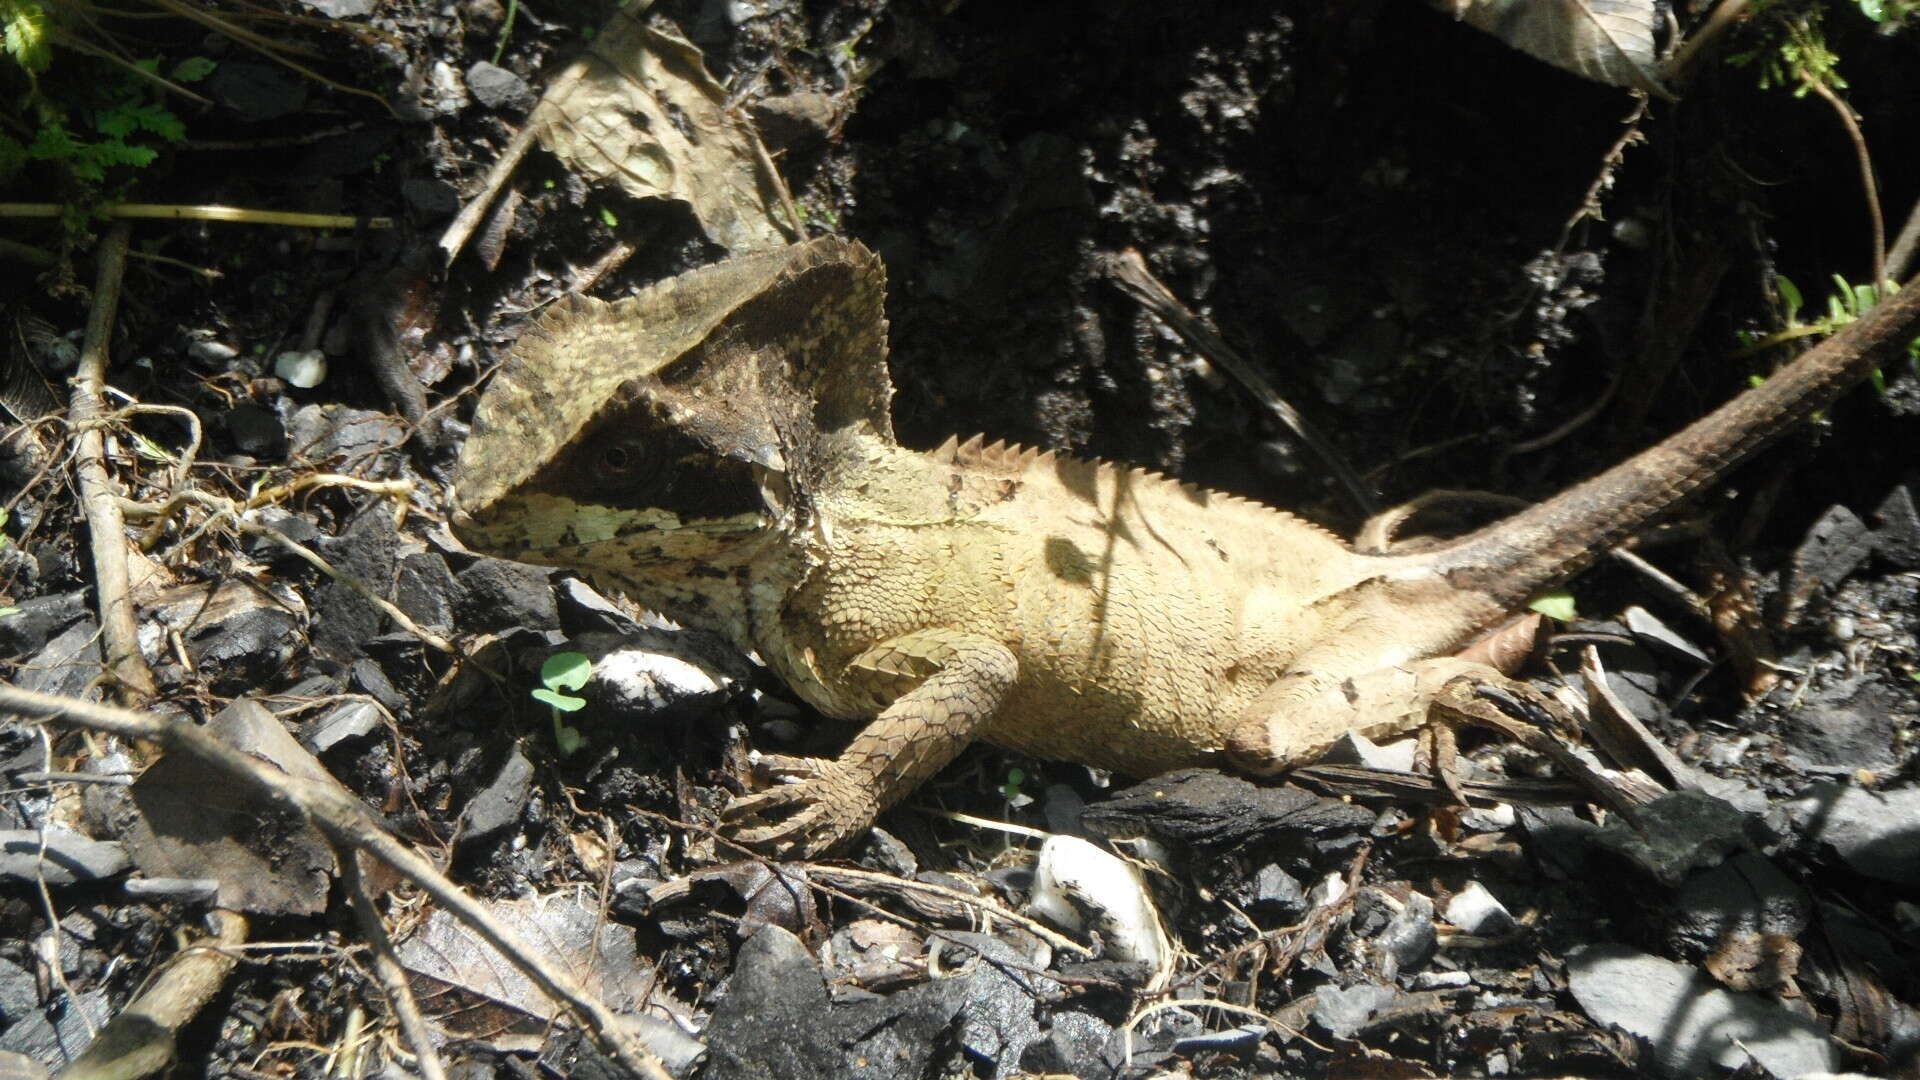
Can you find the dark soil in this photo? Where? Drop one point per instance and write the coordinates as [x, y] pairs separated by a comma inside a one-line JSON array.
[[1377, 205]]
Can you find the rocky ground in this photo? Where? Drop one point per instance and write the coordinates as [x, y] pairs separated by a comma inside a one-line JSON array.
[[1379, 207]]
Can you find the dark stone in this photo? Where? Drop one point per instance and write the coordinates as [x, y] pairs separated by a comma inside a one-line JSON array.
[[495, 594], [343, 438], [1075, 1045], [57, 856], [346, 721], [1896, 535], [895, 1037], [1679, 832], [498, 806], [1842, 727], [497, 88], [1746, 895], [425, 590], [67, 666], [37, 619], [368, 677], [1834, 547], [257, 431], [432, 198], [256, 91], [1874, 831], [770, 1021], [343, 619]]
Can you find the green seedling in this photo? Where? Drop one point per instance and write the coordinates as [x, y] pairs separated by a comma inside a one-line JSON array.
[[1011, 789], [562, 672]]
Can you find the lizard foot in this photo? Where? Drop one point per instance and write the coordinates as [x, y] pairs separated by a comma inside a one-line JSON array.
[[829, 807]]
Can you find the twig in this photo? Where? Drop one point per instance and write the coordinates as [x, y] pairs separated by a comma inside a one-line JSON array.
[[1717, 23], [228, 510], [1129, 271], [1867, 185], [139, 1041], [387, 967], [344, 821], [1905, 246], [172, 212], [107, 530]]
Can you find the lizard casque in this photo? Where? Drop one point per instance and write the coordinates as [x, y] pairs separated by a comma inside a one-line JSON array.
[[719, 448]]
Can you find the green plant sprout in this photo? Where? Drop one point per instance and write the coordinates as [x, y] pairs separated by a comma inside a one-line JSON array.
[[1846, 303], [99, 118], [562, 672], [1011, 789]]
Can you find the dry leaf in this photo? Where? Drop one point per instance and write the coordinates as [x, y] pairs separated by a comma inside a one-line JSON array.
[[1609, 41], [645, 115]]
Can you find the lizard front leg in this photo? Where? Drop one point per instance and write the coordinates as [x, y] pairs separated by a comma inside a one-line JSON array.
[[961, 680]]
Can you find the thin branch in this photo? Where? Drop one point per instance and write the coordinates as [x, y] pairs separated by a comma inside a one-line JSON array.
[[345, 822], [106, 529], [170, 212], [1867, 185], [388, 969], [139, 1041]]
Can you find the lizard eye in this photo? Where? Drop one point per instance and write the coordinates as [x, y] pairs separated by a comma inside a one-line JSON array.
[[624, 465]]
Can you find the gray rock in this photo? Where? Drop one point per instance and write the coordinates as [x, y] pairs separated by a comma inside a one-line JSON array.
[[344, 438], [997, 1025], [65, 859], [1874, 831], [67, 666], [1681, 831], [1344, 1012], [341, 9], [1075, 1045], [1692, 1026], [1897, 533], [425, 589], [36, 619], [1746, 895], [256, 91], [497, 807], [1842, 727], [771, 1021], [497, 88], [1475, 910], [495, 594], [345, 721], [1276, 889], [257, 432]]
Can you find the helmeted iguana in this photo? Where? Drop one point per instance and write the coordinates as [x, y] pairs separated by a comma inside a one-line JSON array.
[[719, 448]]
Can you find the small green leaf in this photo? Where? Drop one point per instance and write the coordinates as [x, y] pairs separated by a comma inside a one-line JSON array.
[[7, 611], [24, 36], [560, 701], [607, 218], [566, 671], [1789, 295], [1555, 604], [1011, 789], [194, 68]]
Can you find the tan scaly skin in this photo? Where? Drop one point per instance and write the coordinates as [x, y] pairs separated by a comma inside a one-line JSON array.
[[719, 449]]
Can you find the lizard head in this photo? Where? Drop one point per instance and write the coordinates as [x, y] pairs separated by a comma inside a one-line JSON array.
[[662, 436]]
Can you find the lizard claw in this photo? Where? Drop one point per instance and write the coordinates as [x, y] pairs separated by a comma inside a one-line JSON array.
[[803, 820]]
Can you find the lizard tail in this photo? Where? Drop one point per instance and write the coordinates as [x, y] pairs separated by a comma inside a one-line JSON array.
[[1544, 545]]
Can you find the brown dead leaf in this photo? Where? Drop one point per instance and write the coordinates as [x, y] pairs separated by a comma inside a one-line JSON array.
[[646, 115], [1608, 41]]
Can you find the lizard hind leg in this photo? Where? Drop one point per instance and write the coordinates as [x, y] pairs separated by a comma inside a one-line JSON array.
[[1301, 717]]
